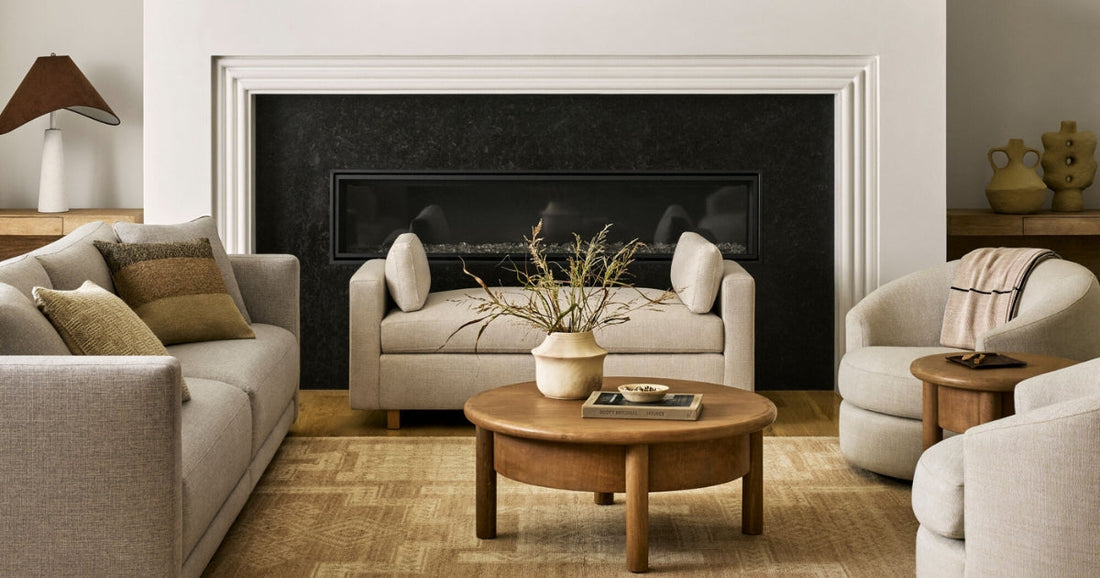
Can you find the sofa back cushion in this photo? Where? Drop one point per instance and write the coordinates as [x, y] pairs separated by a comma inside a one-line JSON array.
[[23, 329], [408, 277], [24, 273], [202, 227], [73, 259], [696, 272]]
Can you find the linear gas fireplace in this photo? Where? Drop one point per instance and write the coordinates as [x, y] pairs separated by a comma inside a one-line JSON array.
[[486, 215]]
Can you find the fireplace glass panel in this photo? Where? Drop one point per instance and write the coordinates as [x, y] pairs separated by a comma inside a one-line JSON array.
[[487, 215]]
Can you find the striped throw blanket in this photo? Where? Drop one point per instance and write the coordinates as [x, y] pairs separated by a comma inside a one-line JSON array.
[[985, 292]]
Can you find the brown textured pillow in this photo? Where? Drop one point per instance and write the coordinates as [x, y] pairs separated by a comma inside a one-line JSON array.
[[176, 289], [94, 321]]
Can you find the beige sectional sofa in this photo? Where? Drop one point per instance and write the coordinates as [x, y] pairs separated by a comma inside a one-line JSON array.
[[103, 471], [402, 359]]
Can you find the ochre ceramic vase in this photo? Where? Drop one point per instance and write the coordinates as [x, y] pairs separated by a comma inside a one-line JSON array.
[[1069, 165], [569, 365], [1015, 187]]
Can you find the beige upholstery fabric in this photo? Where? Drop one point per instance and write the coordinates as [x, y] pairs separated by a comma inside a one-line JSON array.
[[270, 287], [23, 328], [217, 431], [1058, 314], [884, 444], [938, 488], [1029, 483], [197, 228], [878, 379], [176, 289], [670, 328], [408, 278], [80, 494], [24, 273], [696, 272], [79, 261], [266, 368]]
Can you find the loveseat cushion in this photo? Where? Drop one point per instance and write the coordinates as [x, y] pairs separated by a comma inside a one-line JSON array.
[[216, 428], [878, 379], [670, 328], [265, 368], [73, 259], [23, 329], [938, 488], [696, 272], [24, 273], [408, 278]]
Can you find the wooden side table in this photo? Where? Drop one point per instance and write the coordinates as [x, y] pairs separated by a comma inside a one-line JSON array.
[[23, 230], [958, 398]]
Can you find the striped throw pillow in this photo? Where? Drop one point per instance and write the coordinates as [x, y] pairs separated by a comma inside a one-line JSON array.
[[176, 289]]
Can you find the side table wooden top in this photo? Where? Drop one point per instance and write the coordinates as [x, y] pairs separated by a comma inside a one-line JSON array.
[[937, 369], [520, 410]]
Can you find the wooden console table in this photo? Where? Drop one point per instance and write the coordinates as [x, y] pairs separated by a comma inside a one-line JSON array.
[[23, 230], [1074, 236]]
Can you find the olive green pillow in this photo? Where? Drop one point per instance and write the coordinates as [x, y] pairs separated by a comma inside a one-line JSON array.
[[176, 289], [94, 321]]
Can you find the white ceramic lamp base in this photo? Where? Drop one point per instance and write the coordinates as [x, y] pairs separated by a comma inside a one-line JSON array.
[[51, 185]]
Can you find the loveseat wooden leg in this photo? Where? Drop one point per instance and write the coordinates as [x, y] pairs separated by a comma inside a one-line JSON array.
[[393, 419]]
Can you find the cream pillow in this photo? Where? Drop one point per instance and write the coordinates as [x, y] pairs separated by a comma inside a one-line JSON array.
[[408, 277], [94, 321], [696, 272]]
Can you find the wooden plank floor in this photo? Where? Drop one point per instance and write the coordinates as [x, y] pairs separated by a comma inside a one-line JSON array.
[[327, 413]]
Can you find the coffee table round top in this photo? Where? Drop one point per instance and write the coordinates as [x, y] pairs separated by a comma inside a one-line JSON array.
[[520, 410], [938, 370]]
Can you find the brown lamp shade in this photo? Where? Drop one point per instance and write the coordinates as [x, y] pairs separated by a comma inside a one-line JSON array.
[[53, 83]]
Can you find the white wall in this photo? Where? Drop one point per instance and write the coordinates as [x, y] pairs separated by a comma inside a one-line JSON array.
[[909, 38], [103, 164], [1016, 70]]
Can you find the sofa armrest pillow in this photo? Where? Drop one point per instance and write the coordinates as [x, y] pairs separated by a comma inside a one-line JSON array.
[[23, 329], [202, 227], [408, 278], [176, 289], [94, 321], [696, 272]]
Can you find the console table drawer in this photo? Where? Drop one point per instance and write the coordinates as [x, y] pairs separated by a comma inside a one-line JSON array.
[[1078, 225]]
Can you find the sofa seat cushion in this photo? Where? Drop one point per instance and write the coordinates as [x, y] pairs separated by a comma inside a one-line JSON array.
[[878, 379], [938, 488], [670, 328], [265, 368], [216, 437]]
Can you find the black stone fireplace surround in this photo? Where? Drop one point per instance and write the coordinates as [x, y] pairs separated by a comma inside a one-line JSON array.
[[785, 139]]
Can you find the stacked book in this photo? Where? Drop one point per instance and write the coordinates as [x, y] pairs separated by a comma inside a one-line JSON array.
[[679, 406]]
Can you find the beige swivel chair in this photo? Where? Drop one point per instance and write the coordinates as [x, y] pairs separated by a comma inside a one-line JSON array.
[[1019, 496], [880, 415]]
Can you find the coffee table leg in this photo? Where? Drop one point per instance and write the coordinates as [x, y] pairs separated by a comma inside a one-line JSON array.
[[931, 433], [752, 487], [603, 498], [637, 508], [486, 482]]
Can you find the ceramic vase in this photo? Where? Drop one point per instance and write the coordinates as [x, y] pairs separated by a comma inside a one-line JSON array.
[[1069, 165], [1015, 187], [569, 365]]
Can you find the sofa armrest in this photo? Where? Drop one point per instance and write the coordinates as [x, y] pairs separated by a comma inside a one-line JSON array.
[[1031, 505], [907, 311], [1073, 382], [270, 288], [90, 466], [737, 306], [367, 302]]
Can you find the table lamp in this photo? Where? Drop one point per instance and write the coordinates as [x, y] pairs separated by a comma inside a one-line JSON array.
[[53, 82]]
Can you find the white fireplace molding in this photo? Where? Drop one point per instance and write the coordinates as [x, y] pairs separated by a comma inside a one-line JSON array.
[[852, 80]]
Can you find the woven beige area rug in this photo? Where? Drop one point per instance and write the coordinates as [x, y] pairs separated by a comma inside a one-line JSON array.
[[376, 506]]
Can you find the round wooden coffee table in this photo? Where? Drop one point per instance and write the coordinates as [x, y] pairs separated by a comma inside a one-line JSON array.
[[956, 397], [536, 440]]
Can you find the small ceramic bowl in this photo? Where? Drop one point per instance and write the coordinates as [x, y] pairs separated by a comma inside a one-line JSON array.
[[643, 392]]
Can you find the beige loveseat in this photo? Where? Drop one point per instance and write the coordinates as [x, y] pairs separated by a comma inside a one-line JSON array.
[[404, 360], [103, 472]]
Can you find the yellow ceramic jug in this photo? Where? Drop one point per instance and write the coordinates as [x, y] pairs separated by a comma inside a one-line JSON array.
[[1015, 187]]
